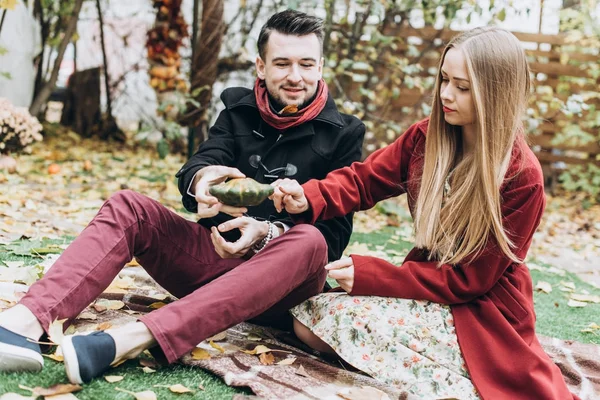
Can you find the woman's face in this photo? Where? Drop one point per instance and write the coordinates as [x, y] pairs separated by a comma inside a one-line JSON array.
[[455, 91]]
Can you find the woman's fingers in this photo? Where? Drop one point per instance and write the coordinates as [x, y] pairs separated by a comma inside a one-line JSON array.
[[341, 263]]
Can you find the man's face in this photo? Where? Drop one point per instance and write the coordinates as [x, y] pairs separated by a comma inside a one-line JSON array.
[[292, 68]]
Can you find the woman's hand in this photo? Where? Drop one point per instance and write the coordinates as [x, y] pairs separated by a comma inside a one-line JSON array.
[[289, 195], [342, 271], [208, 205]]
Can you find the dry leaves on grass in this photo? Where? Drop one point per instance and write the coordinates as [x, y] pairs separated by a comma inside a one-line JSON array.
[[200, 354], [52, 390], [145, 395], [113, 378], [178, 388]]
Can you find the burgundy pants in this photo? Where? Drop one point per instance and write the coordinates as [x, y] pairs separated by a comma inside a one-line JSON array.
[[214, 293]]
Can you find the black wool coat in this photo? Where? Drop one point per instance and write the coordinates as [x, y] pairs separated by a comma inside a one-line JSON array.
[[330, 141]]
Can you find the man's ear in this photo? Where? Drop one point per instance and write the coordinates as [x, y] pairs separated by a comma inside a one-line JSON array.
[[260, 68], [321, 63]]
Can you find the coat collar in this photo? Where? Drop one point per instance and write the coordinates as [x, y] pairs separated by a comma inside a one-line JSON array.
[[329, 114]]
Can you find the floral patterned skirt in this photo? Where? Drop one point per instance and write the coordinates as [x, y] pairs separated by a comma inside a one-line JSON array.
[[410, 344]]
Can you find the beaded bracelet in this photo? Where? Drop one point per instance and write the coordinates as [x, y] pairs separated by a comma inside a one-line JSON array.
[[261, 245]]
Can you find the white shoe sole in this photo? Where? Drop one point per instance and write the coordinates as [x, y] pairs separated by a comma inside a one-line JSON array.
[[15, 358], [71, 362]]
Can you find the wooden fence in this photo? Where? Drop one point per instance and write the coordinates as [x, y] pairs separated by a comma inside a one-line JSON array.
[[558, 71]]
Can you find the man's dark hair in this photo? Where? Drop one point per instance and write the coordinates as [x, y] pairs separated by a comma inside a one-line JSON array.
[[290, 22]]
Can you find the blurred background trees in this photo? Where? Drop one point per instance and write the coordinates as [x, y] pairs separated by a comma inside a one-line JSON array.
[[166, 61]]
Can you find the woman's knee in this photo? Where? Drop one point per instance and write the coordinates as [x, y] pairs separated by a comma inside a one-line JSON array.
[[310, 339]]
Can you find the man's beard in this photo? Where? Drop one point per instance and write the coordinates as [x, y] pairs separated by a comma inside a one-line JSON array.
[[278, 103]]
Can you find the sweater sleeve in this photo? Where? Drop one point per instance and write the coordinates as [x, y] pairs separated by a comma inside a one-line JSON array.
[[424, 280], [360, 186]]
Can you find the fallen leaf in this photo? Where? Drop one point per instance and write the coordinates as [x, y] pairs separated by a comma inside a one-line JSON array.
[[575, 303], [588, 298], [56, 332], [216, 346], [302, 372], [362, 393], [148, 370], [543, 287], [218, 337], [592, 328], [255, 337], [53, 390], [178, 388], [113, 378], [262, 349], [87, 315], [103, 326], [201, 387], [266, 358], [14, 264], [110, 304], [200, 354], [55, 357], [65, 396], [568, 285], [145, 395], [156, 305], [287, 361], [99, 308], [133, 263]]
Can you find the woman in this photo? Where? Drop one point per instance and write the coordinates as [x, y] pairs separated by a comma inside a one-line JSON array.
[[457, 318]]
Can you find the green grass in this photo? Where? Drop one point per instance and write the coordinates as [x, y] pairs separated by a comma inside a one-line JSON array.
[[555, 319]]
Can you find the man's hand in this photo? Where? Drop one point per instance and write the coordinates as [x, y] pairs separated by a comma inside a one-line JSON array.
[[289, 194], [252, 232], [209, 206], [342, 271]]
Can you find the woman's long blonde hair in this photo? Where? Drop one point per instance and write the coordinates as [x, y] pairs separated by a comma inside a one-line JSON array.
[[459, 225]]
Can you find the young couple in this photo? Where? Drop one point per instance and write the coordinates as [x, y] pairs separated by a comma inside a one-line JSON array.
[[456, 319]]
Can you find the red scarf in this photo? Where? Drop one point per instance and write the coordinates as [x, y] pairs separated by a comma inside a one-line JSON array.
[[283, 122]]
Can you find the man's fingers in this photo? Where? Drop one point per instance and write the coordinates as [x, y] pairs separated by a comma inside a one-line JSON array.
[[234, 211], [207, 212]]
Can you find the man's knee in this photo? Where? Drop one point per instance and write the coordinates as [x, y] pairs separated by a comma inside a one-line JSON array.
[[311, 239], [126, 197]]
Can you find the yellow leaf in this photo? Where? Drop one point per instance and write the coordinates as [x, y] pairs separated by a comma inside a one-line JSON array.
[[66, 396], [266, 358], [87, 315], [178, 388], [156, 305], [218, 337], [113, 378], [575, 303], [258, 350], [302, 372], [543, 287], [53, 390], [287, 361], [103, 326], [133, 263], [200, 354], [145, 395], [55, 357], [148, 370], [8, 4], [588, 298], [216, 346], [55, 331], [110, 304]]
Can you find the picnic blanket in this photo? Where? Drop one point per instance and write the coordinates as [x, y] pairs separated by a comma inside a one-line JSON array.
[[298, 372]]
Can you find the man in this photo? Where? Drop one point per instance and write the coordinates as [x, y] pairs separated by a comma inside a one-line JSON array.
[[287, 127]]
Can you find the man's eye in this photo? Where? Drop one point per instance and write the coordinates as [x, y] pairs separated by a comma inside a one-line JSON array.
[[306, 65], [281, 65]]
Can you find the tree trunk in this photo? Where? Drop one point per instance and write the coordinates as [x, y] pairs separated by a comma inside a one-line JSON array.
[[44, 93], [204, 64]]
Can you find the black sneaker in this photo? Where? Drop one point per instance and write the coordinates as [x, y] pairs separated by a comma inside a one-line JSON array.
[[87, 356], [18, 353]]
